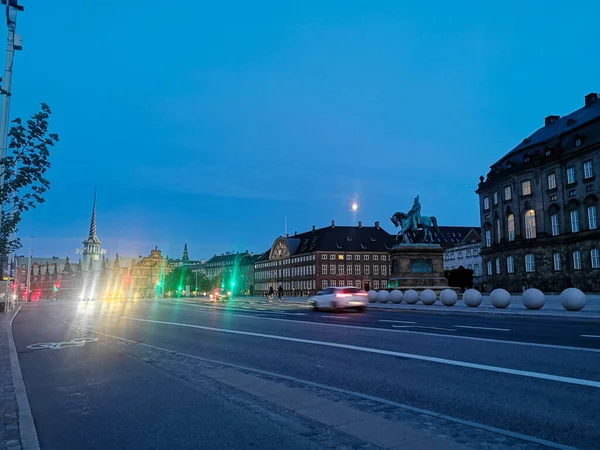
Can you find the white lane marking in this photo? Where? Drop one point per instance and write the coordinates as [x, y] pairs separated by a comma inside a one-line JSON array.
[[590, 336], [334, 317], [290, 313], [427, 328], [449, 362], [395, 321], [425, 333], [481, 328], [512, 434], [77, 342]]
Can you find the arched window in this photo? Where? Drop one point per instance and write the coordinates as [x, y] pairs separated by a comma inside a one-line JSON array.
[[510, 264], [497, 265], [556, 258], [511, 227], [530, 230], [529, 263]]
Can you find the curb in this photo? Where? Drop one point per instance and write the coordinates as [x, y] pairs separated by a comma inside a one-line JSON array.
[[29, 439]]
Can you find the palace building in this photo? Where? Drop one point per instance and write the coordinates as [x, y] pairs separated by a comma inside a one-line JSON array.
[[539, 207]]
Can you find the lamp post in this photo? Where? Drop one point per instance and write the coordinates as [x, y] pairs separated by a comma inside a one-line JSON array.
[[28, 288]]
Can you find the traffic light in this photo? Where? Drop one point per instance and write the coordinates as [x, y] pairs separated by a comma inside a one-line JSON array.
[[127, 279], [158, 283], [179, 288]]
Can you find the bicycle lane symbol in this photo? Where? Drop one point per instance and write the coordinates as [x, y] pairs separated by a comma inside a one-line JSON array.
[[77, 342]]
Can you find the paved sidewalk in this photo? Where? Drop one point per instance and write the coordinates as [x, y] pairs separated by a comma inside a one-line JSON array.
[[9, 422]]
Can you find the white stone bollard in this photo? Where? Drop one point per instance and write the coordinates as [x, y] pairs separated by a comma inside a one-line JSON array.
[[448, 297], [572, 299], [533, 299], [500, 298], [383, 296], [396, 296], [472, 298], [428, 297], [372, 295], [411, 296]]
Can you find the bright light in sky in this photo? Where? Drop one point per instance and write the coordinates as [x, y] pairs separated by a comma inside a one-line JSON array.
[[354, 206]]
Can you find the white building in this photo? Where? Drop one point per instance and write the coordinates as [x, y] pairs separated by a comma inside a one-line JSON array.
[[465, 254]]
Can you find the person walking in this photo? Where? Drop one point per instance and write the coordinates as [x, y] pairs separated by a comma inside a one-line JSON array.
[[280, 293], [270, 294]]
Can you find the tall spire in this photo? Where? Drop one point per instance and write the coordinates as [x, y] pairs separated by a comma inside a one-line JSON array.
[[185, 256], [93, 221]]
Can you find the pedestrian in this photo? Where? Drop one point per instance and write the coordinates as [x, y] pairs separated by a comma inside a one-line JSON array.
[[280, 293], [270, 294]]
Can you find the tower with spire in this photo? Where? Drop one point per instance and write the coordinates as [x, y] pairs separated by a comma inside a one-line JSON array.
[[185, 258], [91, 246]]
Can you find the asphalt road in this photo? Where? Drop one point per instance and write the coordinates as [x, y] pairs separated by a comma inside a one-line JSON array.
[[536, 377]]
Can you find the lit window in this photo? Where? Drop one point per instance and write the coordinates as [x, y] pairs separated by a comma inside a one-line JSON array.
[[556, 258], [498, 231], [507, 193], [488, 239], [552, 181], [510, 264], [324, 269], [383, 269], [495, 197], [486, 203], [332, 269], [595, 258], [570, 174], [357, 269], [511, 228], [529, 263], [592, 218], [530, 229], [574, 221], [497, 265], [588, 171], [340, 256], [577, 260], [489, 268], [349, 267], [526, 187]]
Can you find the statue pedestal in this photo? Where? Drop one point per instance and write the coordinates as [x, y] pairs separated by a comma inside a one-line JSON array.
[[418, 267]]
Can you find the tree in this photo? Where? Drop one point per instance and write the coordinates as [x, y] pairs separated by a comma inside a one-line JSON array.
[[24, 168]]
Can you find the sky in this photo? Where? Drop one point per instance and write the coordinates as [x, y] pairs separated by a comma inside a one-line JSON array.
[[216, 123]]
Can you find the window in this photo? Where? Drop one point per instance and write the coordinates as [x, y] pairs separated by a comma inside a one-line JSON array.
[[577, 142], [468, 253], [592, 218], [595, 253], [331, 256], [497, 265], [529, 263], [498, 231], [552, 181], [349, 257], [526, 187], [488, 239], [588, 170], [507, 193], [383, 269], [460, 255], [486, 203], [495, 197], [375, 284], [554, 222], [475, 252], [384, 257], [357, 269], [324, 284], [349, 267], [375, 270], [530, 230], [510, 264], [366, 257], [489, 268], [332, 269], [375, 257], [340, 256], [573, 193], [332, 283], [570, 174], [452, 256], [341, 269], [511, 227], [324, 269], [556, 258], [357, 283], [574, 221], [367, 270], [553, 198], [476, 271], [357, 257], [577, 260]]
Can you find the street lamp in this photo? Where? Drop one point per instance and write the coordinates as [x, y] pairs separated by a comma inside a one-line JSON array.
[[27, 295]]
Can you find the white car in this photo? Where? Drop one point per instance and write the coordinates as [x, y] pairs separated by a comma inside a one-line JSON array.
[[336, 298]]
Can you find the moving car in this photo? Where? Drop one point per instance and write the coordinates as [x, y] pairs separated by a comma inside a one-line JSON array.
[[338, 298], [220, 295]]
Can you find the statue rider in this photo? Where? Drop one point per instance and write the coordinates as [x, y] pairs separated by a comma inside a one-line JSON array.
[[415, 213]]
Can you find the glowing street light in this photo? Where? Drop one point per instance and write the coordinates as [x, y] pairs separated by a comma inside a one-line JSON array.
[[354, 206]]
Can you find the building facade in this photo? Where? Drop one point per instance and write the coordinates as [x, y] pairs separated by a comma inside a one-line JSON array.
[[465, 254], [539, 207], [332, 256]]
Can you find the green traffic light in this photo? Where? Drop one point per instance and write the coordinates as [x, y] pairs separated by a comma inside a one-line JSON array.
[[179, 288]]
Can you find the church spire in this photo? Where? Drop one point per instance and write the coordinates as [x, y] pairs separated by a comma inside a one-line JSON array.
[[93, 237], [185, 256]]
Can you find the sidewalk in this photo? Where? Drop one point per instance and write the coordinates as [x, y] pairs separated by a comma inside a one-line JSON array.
[[9, 421]]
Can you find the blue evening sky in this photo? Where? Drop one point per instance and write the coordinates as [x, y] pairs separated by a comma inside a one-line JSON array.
[[209, 122]]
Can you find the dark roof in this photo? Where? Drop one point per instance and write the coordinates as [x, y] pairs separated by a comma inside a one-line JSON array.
[[559, 126], [226, 258], [447, 237]]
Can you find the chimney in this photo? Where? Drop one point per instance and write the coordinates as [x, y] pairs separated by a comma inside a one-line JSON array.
[[333, 224], [287, 235], [377, 225], [551, 119], [359, 224], [591, 98], [313, 228], [295, 233]]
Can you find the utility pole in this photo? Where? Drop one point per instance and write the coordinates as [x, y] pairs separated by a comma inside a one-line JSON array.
[[28, 294]]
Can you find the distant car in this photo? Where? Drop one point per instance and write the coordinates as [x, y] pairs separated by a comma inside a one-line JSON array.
[[220, 295], [339, 298]]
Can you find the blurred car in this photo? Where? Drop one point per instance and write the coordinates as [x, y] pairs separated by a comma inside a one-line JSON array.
[[220, 295], [339, 298]]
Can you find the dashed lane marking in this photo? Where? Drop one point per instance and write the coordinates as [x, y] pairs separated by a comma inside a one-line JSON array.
[[423, 327], [590, 336], [395, 321], [481, 328]]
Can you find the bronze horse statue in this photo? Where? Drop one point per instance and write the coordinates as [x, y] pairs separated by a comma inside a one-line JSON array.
[[407, 223]]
